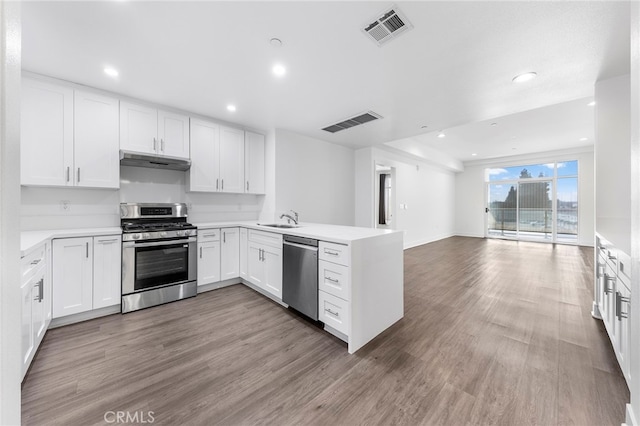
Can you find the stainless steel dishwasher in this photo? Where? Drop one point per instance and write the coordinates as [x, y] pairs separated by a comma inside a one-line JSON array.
[[300, 275]]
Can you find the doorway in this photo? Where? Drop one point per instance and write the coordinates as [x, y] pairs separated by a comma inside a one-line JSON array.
[[385, 197]]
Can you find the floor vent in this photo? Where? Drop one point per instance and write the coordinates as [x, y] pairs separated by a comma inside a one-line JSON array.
[[388, 26], [353, 121]]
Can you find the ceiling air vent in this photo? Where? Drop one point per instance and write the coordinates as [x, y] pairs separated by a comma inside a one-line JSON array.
[[388, 26], [353, 121]]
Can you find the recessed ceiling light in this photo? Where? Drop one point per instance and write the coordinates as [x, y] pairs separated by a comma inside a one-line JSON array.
[[583, 139], [474, 154], [424, 127], [279, 70], [111, 72], [592, 103], [231, 108], [275, 42], [441, 134], [524, 77], [494, 124]]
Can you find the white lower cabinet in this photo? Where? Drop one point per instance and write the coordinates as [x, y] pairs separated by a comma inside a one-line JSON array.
[[230, 253], [334, 312], [264, 261], [243, 252], [334, 286], [208, 262], [36, 303], [84, 267]]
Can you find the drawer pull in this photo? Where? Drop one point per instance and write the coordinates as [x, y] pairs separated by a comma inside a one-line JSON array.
[[35, 262], [335, 314], [332, 253], [332, 280], [608, 278], [209, 235], [619, 300]]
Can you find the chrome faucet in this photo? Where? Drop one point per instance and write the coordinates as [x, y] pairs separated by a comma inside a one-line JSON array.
[[290, 218]]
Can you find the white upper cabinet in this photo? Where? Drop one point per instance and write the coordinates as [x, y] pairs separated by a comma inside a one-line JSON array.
[[46, 134], [231, 160], [69, 138], [138, 128], [217, 158], [254, 163], [152, 131], [173, 133], [204, 174], [96, 158]]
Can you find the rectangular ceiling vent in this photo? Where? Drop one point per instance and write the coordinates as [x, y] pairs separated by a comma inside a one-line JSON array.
[[353, 121], [387, 26]]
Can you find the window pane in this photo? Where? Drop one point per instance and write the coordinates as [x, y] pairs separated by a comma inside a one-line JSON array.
[[535, 210], [502, 210], [568, 209], [521, 172], [568, 168]]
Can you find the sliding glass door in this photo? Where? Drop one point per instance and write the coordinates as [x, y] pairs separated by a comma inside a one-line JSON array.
[[534, 202]]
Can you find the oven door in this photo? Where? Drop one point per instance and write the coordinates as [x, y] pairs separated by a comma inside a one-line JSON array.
[[152, 264]]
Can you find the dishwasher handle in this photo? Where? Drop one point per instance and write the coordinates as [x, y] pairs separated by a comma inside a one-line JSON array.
[[301, 246]]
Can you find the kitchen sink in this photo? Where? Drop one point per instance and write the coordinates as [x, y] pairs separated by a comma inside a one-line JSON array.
[[278, 225]]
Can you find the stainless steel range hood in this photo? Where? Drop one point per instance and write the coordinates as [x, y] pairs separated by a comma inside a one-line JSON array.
[[128, 158]]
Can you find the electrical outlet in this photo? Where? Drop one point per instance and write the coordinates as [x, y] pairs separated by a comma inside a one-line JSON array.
[[65, 205]]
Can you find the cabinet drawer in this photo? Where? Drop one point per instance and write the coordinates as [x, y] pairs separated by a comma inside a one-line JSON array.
[[624, 267], [269, 238], [334, 279], [336, 253], [612, 258], [32, 261], [205, 235], [333, 311]]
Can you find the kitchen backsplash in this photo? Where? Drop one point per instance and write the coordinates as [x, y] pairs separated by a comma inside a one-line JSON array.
[[62, 208]]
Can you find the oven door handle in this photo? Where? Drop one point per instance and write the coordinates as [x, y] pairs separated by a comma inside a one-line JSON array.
[[158, 243]]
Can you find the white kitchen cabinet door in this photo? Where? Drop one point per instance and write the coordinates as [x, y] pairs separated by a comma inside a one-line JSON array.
[[230, 253], [138, 128], [622, 329], [46, 134], [203, 176], [72, 276], [208, 262], [38, 312], [96, 141], [26, 330], [254, 163], [255, 265], [173, 133], [272, 258], [231, 160], [107, 271], [243, 252]]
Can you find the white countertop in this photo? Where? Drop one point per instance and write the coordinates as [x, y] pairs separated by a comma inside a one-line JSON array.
[[332, 233], [30, 240]]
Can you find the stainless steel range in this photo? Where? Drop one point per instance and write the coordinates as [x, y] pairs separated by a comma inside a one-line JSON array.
[[158, 255]]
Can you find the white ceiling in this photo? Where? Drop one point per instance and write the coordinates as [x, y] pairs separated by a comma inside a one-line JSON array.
[[452, 71]]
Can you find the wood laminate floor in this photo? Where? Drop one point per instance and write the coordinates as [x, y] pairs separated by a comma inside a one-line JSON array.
[[495, 332]]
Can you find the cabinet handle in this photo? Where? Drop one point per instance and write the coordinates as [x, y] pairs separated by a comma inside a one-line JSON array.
[[78, 174], [68, 173], [41, 285], [162, 145], [155, 144], [209, 235], [222, 184], [619, 299], [108, 241], [335, 314], [331, 253], [332, 280], [200, 252], [224, 237], [217, 184], [87, 244], [608, 278], [35, 262], [247, 186]]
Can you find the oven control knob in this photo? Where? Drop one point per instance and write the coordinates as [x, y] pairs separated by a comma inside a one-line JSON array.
[[179, 233], [163, 234], [136, 236]]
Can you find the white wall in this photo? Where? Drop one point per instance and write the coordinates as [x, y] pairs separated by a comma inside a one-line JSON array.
[[613, 168], [314, 178], [470, 199], [10, 296], [427, 190], [42, 209]]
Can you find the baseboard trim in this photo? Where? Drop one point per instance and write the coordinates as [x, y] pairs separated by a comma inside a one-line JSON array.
[[264, 293], [85, 316], [219, 284], [413, 244]]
